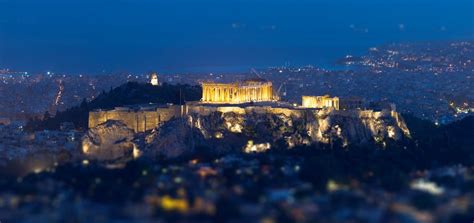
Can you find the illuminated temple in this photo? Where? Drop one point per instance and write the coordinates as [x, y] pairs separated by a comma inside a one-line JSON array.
[[320, 102], [251, 90]]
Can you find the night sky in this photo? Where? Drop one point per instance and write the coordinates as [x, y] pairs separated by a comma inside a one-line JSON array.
[[213, 35]]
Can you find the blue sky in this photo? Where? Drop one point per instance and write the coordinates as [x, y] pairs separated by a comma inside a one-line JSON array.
[[202, 35]]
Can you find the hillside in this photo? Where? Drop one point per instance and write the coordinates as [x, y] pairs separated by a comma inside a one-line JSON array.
[[127, 94]]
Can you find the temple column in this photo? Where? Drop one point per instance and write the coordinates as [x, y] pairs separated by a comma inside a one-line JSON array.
[[222, 91], [265, 92], [203, 98], [254, 95], [209, 98], [203, 93], [251, 98], [224, 94], [236, 94], [209, 94], [214, 97], [269, 92], [239, 92], [227, 96], [246, 94], [257, 93]]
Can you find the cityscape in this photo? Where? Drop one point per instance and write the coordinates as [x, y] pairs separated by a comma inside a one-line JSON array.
[[440, 73], [199, 112]]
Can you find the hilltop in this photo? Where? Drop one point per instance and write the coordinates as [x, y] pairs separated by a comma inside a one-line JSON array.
[[130, 93]]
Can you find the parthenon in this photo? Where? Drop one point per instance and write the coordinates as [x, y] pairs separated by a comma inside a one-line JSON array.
[[252, 90]]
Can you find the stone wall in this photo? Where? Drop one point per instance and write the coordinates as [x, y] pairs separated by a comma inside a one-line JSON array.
[[140, 120]]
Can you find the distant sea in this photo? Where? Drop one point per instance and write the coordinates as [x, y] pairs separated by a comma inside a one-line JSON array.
[[182, 36]]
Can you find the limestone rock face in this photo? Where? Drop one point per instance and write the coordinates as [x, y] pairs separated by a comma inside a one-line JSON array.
[[111, 140], [175, 138], [304, 127], [254, 129], [352, 127], [235, 130]]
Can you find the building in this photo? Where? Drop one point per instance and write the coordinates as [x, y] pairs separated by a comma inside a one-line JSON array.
[[154, 79], [251, 90], [320, 102], [332, 102], [140, 118]]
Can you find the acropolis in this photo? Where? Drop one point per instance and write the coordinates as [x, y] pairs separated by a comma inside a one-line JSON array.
[[252, 97]]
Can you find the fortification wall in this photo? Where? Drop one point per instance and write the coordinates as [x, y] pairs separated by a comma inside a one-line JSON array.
[[165, 114], [138, 120], [96, 118]]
